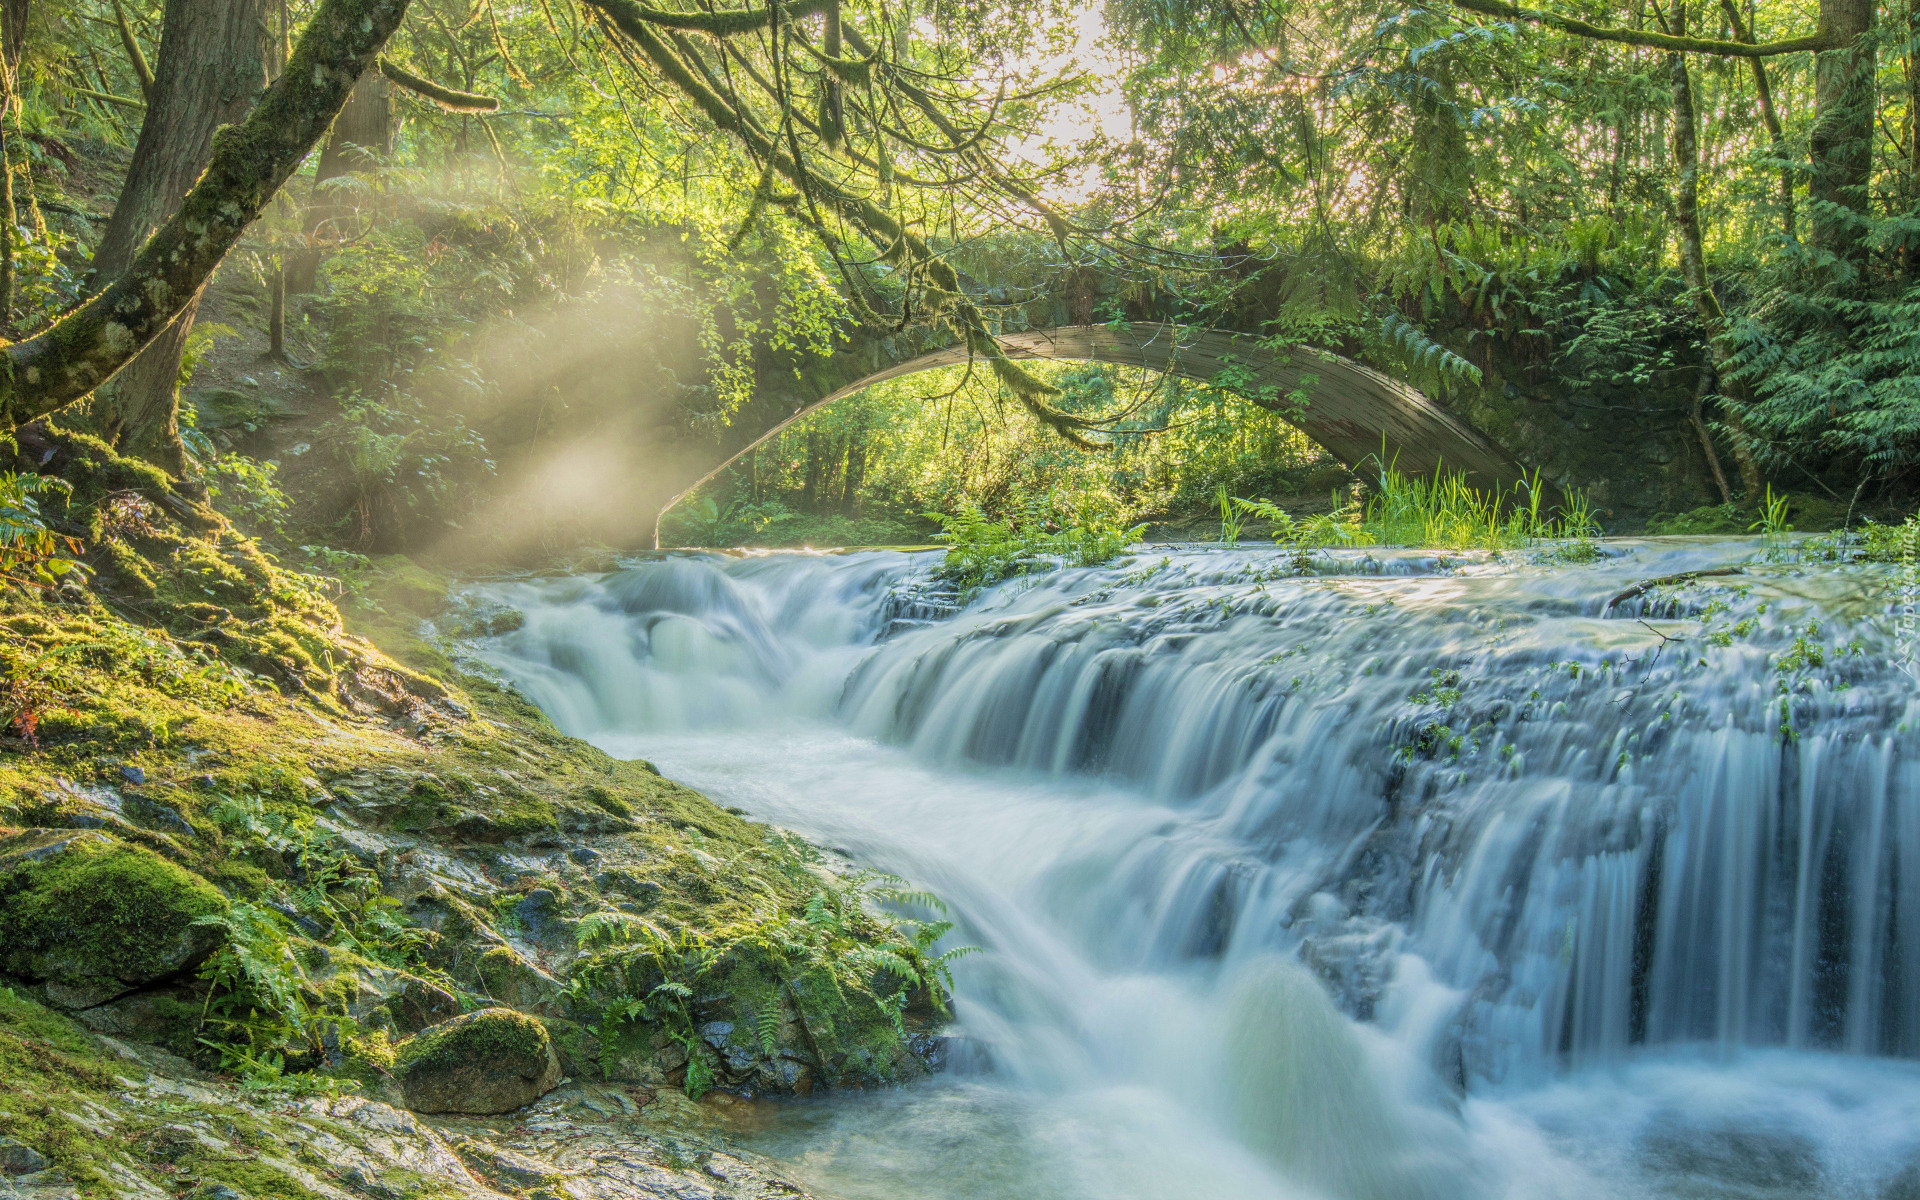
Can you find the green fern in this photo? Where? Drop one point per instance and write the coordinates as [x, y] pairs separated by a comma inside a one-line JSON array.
[[1426, 360]]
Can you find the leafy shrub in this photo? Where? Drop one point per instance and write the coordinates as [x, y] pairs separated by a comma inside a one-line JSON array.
[[982, 552], [29, 551]]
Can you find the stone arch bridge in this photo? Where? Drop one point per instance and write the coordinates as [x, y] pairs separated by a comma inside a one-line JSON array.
[[1353, 412]]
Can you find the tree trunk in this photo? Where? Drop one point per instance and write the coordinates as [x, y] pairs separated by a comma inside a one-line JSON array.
[[277, 315], [1913, 121], [13, 30], [8, 216], [13, 42], [1842, 137], [1769, 116], [212, 66], [856, 475], [362, 135], [251, 162], [1693, 259]]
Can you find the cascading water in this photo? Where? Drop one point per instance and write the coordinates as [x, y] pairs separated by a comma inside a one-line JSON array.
[[1388, 875]]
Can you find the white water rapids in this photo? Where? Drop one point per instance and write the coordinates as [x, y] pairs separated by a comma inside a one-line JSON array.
[[1406, 877]]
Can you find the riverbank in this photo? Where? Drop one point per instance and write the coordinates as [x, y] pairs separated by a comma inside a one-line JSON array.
[[274, 869]]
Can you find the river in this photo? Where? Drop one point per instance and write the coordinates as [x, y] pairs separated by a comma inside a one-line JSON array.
[[1383, 875]]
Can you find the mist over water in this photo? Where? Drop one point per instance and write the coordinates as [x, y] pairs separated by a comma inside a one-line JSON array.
[[1413, 876]]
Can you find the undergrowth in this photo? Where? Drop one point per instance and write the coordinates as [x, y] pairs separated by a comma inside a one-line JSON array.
[[845, 975], [1044, 533]]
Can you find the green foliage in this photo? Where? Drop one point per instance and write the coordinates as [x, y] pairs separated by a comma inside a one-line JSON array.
[[1446, 512], [1773, 524], [264, 1014], [1833, 360], [1230, 516], [702, 522], [1872, 542], [837, 969], [29, 551], [100, 910], [1423, 358], [1046, 533], [1339, 526], [248, 490], [1712, 519], [865, 469]]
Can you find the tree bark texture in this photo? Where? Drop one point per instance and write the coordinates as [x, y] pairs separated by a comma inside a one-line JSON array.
[[211, 68], [250, 163], [13, 30]]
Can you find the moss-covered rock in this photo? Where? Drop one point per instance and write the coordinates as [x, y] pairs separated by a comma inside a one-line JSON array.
[[491, 1061], [95, 918], [507, 976]]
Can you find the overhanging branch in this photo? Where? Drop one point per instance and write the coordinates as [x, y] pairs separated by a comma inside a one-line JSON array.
[[448, 98], [1643, 37], [250, 163], [724, 23]]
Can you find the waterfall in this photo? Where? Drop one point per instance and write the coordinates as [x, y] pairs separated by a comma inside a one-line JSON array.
[[1378, 840]]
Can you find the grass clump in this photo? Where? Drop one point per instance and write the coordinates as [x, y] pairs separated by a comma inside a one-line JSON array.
[[1441, 512]]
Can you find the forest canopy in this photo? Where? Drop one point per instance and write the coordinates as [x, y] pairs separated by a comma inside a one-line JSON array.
[[1665, 253]]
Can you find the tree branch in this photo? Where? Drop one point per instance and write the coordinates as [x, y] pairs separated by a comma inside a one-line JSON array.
[[1642, 37], [141, 71], [250, 163], [725, 23], [902, 249], [446, 97]]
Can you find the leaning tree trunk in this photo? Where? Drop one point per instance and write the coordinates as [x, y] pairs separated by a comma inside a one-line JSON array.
[[362, 135], [212, 66], [251, 162], [1842, 136]]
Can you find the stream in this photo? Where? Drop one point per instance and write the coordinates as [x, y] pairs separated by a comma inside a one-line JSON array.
[[1408, 876]]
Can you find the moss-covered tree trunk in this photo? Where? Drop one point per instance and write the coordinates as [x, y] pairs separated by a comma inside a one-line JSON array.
[[250, 164], [13, 43], [211, 69]]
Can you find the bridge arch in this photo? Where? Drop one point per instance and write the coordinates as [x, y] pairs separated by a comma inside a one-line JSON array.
[[1353, 412]]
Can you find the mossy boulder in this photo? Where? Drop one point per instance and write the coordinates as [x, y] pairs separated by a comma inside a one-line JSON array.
[[491, 1061], [510, 978], [94, 918]]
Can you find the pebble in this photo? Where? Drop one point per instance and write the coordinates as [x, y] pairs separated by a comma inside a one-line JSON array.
[[133, 774]]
